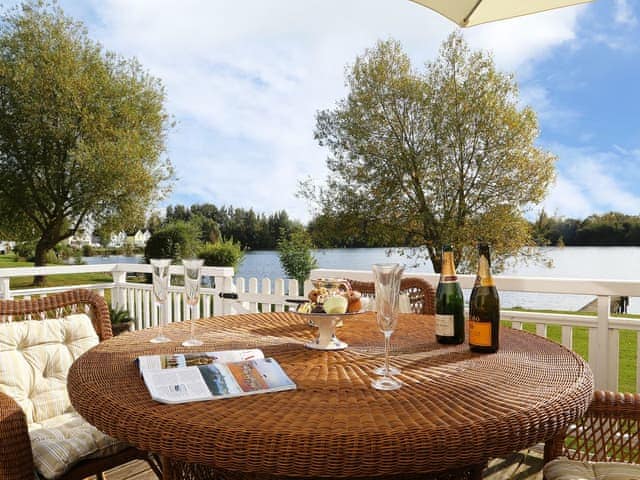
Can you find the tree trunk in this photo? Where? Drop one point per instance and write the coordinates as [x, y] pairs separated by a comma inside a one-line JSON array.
[[436, 259], [42, 248]]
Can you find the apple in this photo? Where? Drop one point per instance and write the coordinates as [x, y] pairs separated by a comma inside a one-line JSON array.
[[336, 304]]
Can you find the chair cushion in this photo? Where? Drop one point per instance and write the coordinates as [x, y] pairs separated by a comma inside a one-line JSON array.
[[563, 469], [35, 356], [63, 441]]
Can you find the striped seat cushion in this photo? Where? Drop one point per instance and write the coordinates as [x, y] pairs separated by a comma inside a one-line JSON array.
[[563, 469], [63, 441], [35, 356]]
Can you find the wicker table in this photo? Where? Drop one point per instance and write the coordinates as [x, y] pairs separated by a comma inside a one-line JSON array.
[[456, 409]]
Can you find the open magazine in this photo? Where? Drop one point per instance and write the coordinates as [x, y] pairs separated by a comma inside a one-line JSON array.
[[193, 377]]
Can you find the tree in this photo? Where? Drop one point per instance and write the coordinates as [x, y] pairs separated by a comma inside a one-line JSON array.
[[294, 250], [441, 156], [82, 131]]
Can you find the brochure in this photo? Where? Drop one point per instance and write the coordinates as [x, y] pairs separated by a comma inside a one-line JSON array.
[[193, 377]]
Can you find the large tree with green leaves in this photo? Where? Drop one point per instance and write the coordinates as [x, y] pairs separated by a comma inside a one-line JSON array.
[[82, 131], [434, 156]]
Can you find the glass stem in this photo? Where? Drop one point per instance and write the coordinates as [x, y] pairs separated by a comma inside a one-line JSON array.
[[193, 322], [387, 347], [163, 316]]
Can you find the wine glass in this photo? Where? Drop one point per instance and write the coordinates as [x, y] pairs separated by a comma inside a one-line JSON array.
[[160, 269], [192, 296], [387, 280]]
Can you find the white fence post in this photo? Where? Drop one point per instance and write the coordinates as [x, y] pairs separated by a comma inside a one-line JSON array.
[[5, 288], [599, 356], [118, 293]]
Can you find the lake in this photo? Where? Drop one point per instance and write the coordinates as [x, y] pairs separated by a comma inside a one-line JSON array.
[[614, 263]]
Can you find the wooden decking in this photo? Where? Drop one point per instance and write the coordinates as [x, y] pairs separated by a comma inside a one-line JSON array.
[[525, 465]]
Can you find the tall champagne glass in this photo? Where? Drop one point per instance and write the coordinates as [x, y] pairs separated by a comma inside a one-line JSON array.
[[160, 292], [387, 281], [192, 296]]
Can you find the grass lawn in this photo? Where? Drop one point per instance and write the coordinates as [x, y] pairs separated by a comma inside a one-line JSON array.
[[628, 346], [10, 261]]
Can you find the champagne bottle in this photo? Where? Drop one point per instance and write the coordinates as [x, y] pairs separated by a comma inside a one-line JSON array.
[[484, 307], [449, 302]]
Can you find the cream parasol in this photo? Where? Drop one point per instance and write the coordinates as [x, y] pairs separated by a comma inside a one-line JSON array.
[[468, 13]]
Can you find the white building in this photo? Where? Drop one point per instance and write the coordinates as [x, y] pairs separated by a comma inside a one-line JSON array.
[[141, 238], [117, 240], [6, 246], [81, 238]]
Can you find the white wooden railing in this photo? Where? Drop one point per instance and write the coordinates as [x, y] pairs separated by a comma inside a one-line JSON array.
[[604, 330], [265, 295]]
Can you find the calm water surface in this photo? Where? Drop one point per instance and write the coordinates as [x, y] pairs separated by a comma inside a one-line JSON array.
[[615, 263]]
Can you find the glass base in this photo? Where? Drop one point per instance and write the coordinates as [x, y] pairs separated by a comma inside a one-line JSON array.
[[381, 371], [386, 383], [160, 339], [192, 342]]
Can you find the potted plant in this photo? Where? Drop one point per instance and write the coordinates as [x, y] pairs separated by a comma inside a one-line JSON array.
[[121, 320]]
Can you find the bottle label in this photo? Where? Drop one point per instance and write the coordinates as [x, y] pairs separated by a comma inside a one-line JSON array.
[[479, 333], [448, 279], [444, 325]]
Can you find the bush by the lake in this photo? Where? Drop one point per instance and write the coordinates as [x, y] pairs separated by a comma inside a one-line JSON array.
[[295, 255], [25, 250], [176, 240], [225, 253]]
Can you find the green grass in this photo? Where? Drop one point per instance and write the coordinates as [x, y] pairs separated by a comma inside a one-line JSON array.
[[10, 261], [628, 345]]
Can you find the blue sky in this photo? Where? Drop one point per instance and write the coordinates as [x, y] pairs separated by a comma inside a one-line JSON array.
[[245, 78]]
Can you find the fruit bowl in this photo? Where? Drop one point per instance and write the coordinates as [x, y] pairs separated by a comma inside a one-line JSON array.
[[326, 324], [330, 301]]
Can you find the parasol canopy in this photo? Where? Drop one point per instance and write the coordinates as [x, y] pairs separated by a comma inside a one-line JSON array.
[[467, 13]]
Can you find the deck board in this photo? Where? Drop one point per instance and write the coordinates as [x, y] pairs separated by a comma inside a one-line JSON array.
[[524, 465]]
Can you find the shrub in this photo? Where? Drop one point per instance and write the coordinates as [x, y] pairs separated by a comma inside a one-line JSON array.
[[64, 250], [77, 258], [176, 240], [119, 315], [88, 251], [295, 255], [52, 258], [225, 253], [26, 250]]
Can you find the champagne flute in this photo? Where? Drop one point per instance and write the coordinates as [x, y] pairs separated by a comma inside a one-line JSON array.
[[387, 279], [192, 296], [160, 269]]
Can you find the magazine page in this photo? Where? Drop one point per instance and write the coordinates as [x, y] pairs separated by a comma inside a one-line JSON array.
[[176, 385], [181, 360], [216, 380], [245, 378]]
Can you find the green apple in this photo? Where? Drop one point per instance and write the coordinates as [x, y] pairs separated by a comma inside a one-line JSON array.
[[336, 304]]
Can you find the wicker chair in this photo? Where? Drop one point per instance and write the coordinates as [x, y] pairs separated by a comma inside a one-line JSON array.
[[17, 458], [592, 448], [421, 294]]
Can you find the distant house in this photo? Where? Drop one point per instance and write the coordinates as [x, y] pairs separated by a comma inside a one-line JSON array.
[[141, 238], [81, 238], [117, 240], [6, 246]]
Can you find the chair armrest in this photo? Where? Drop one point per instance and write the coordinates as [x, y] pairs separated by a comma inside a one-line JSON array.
[[608, 431], [16, 460]]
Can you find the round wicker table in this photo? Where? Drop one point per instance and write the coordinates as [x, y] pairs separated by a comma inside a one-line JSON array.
[[455, 410]]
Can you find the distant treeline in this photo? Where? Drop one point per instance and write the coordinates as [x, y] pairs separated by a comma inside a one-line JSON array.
[[258, 231], [254, 231], [609, 229]]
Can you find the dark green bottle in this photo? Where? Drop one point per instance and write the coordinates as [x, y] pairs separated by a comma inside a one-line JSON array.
[[484, 307], [449, 302]]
